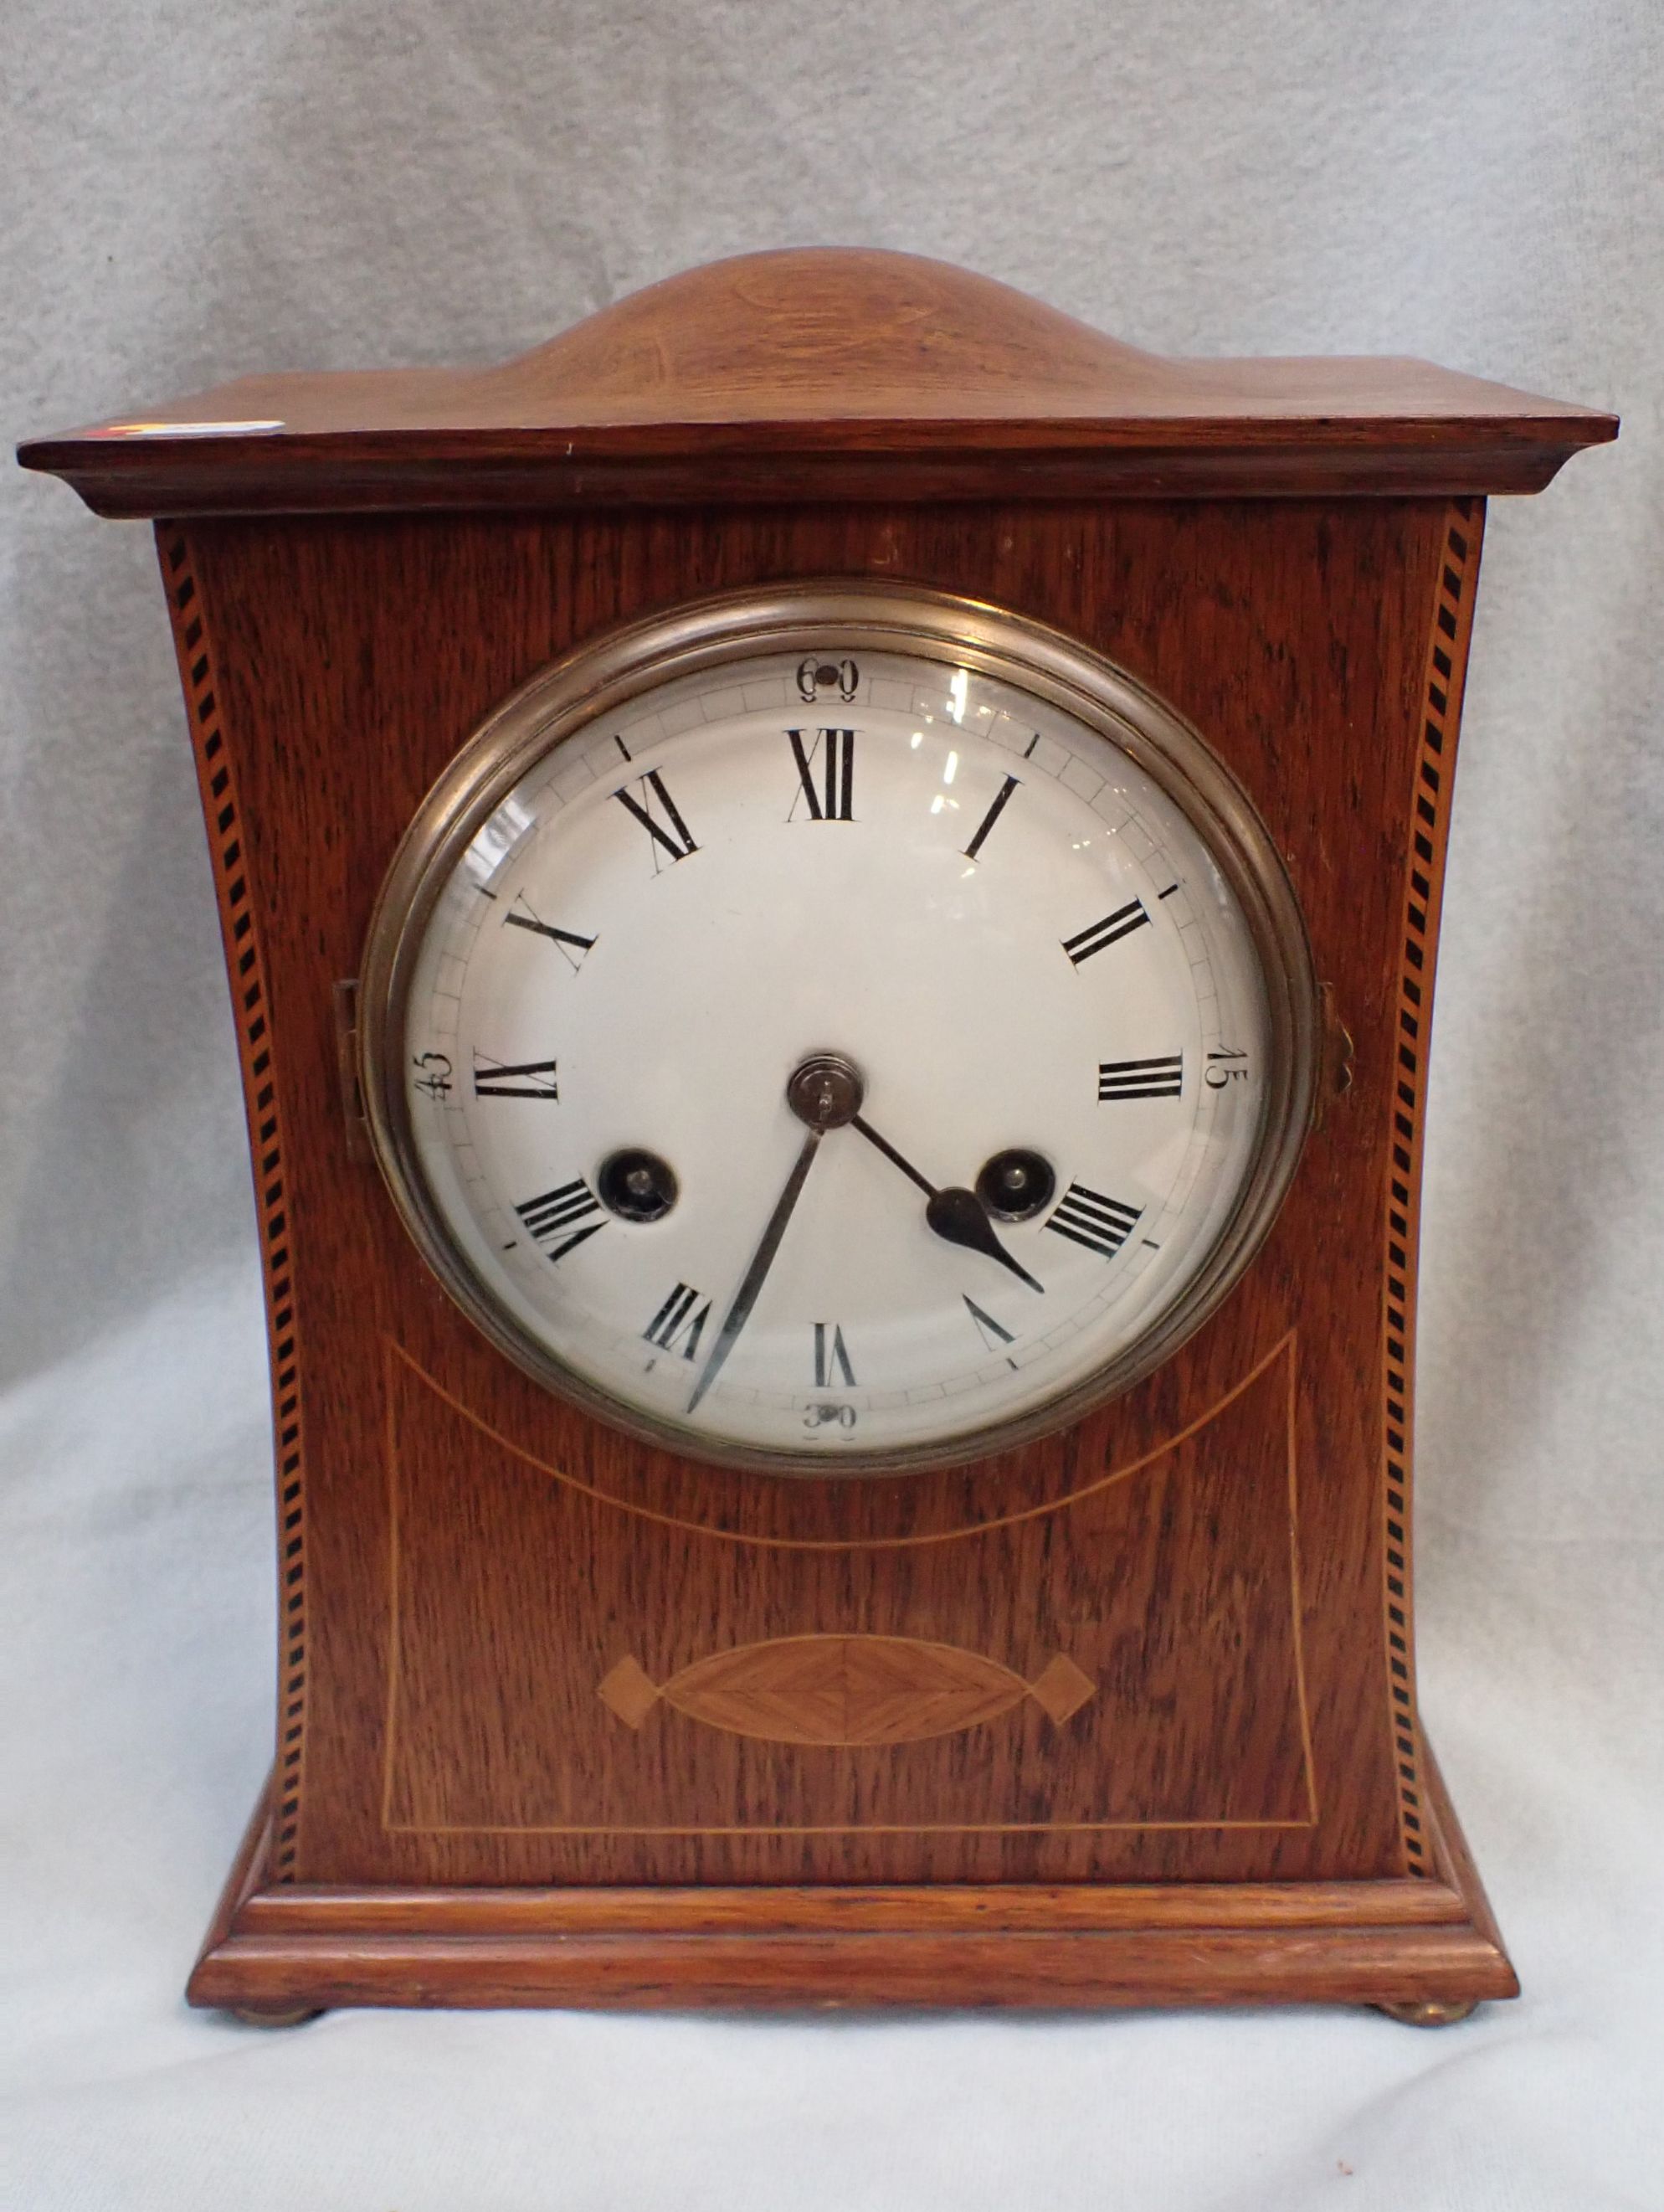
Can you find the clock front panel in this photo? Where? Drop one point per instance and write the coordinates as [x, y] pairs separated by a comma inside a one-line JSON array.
[[528, 1646]]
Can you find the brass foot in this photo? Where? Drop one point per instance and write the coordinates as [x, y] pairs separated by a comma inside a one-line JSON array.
[[258, 2016], [1429, 2012]]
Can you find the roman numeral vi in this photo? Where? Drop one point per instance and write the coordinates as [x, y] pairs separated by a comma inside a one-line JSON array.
[[831, 1359]]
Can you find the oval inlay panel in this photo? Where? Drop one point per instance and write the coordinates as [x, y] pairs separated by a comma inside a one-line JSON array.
[[845, 1690]]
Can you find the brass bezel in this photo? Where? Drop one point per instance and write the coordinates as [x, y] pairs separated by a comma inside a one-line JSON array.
[[597, 677]]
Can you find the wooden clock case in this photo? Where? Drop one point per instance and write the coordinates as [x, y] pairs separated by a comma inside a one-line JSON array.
[[1127, 1716]]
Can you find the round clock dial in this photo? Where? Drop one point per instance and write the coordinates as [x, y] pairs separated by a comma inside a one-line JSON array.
[[840, 1028]]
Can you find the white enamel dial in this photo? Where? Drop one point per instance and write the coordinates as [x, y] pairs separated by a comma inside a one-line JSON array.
[[1045, 1011]]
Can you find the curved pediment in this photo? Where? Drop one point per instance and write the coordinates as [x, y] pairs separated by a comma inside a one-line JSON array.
[[833, 331], [819, 373]]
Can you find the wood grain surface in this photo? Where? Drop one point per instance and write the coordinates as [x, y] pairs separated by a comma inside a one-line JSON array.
[[478, 1558], [285, 1951], [820, 373], [844, 1690], [1177, 1601]]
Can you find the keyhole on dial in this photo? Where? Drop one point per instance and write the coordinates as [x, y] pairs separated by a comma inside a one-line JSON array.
[[637, 1185], [1016, 1185]]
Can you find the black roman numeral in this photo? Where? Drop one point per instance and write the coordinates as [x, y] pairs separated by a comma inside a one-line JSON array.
[[1086, 1217], [988, 1328], [1121, 923], [831, 1359], [834, 801], [550, 1217], [676, 1319], [565, 939], [991, 816], [1142, 1079], [677, 839], [528, 1079]]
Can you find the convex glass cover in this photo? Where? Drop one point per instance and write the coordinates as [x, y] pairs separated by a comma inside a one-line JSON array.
[[839, 1027]]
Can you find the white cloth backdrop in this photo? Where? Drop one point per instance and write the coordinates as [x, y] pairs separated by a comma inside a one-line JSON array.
[[190, 191]]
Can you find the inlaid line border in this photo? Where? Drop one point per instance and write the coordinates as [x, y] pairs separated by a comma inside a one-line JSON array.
[[394, 1352], [1286, 1349], [1423, 883], [250, 1000]]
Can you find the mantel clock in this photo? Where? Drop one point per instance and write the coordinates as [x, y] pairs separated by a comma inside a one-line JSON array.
[[830, 885]]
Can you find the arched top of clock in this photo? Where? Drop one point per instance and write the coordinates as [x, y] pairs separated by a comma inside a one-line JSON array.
[[823, 373]]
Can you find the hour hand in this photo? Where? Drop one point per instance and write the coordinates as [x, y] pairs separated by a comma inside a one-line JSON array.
[[960, 1217], [957, 1215]]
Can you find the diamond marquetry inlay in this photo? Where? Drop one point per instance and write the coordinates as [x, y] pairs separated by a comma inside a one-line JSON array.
[[845, 1690]]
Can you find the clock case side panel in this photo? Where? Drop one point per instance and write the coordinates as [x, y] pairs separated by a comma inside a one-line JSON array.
[[251, 999]]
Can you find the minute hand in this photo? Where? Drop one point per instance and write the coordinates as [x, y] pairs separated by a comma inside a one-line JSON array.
[[955, 1214], [762, 1260]]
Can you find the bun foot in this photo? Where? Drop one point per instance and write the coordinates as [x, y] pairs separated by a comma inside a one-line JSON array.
[[259, 2016], [1429, 2012]]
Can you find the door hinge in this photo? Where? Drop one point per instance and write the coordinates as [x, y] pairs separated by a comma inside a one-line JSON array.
[[1334, 1065], [345, 996]]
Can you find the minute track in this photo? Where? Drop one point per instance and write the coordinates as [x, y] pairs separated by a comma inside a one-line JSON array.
[[921, 939]]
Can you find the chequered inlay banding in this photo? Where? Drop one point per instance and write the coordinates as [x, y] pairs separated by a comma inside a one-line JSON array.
[[250, 1003], [1446, 661]]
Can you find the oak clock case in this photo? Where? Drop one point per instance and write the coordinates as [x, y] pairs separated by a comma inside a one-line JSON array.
[[848, 753], [1097, 1684]]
